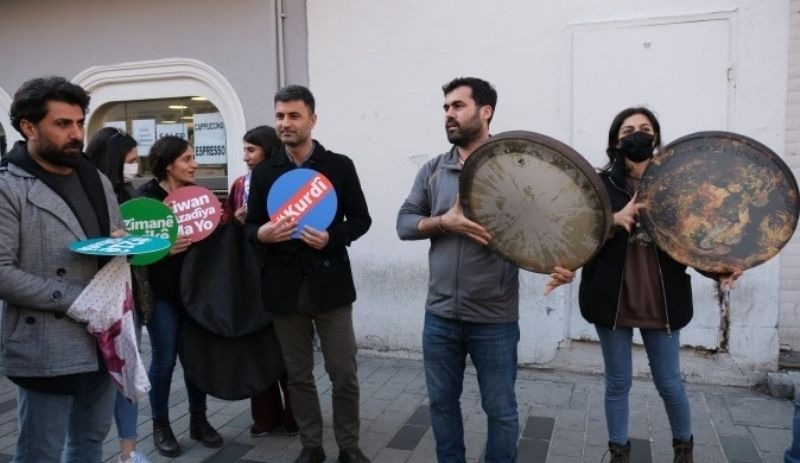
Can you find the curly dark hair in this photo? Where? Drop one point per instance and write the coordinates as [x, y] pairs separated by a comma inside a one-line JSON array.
[[30, 101]]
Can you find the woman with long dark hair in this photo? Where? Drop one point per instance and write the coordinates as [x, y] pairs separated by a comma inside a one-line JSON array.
[[631, 283], [114, 153], [173, 165]]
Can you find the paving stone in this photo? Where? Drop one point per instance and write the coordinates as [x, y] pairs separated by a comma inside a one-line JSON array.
[[231, 452], [560, 459], [574, 420], [390, 455], [710, 454], [739, 449], [538, 427], [640, 451], [532, 449], [567, 443], [759, 411], [373, 408], [421, 416], [407, 437], [770, 440]]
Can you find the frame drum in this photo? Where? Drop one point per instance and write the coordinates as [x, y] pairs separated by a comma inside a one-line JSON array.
[[719, 201], [542, 202]]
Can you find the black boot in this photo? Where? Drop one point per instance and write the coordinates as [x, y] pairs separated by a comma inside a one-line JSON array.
[[683, 451], [200, 429], [164, 438], [620, 453]]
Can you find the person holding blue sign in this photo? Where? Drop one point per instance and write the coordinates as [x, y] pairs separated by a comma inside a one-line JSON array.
[[115, 155], [473, 298], [271, 413], [51, 196], [173, 165], [306, 274]]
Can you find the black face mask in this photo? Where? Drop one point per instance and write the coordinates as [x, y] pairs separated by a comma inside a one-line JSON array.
[[637, 146]]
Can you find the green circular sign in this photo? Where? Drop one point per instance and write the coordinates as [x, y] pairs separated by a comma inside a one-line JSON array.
[[146, 216]]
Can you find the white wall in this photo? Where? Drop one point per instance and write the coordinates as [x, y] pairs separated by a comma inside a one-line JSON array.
[[376, 68], [790, 257]]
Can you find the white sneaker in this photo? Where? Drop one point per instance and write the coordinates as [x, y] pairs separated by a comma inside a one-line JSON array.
[[135, 457]]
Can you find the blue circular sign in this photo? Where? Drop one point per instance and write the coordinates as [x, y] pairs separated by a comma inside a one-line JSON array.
[[304, 196], [127, 245]]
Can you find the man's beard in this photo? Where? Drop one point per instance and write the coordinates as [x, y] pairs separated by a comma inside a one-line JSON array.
[[466, 134], [60, 156]]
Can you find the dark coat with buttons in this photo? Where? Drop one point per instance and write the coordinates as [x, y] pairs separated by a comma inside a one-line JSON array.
[[40, 278], [288, 264]]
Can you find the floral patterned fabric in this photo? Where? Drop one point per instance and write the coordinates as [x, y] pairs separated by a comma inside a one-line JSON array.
[[106, 304]]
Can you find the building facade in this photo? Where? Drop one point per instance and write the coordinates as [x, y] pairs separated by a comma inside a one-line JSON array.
[[561, 68]]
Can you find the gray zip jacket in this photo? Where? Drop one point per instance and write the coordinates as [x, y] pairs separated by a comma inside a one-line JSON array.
[[467, 280]]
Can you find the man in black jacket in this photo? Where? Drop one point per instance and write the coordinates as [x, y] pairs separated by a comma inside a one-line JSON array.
[[307, 281]]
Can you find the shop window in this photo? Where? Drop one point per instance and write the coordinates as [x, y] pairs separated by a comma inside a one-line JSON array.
[[193, 118]]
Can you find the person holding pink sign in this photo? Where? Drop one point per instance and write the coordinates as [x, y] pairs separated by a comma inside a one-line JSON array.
[[271, 413], [115, 155], [173, 164], [308, 280]]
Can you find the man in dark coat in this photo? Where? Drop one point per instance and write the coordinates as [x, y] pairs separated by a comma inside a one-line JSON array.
[[307, 282]]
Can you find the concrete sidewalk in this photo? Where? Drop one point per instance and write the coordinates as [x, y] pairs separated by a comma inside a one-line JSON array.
[[561, 420]]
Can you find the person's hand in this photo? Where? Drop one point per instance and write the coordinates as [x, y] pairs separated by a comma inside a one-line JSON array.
[[119, 233], [275, 232], [627, 216], [181, 245], [240, 214], [728, 280], [315, 238], [558, 277], [454, 221]]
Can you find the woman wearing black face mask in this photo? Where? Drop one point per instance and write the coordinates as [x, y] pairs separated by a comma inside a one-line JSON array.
[[633, 284]]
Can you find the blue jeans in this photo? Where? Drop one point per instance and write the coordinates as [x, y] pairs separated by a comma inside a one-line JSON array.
[[163, 330], [82, 420], [663, 351], [125, 412], [492, 347], [792, 455]]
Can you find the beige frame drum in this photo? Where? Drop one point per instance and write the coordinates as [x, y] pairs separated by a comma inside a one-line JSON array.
[[542, 202]]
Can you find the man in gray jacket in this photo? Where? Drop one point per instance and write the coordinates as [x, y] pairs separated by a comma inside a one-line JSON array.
[[51, 196], [473, 295]]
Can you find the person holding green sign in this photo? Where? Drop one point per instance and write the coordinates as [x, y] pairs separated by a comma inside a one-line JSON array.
[[115, 155], [51, 196], [173, 164]]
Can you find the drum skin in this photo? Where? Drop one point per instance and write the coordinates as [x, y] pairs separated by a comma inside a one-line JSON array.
[[719, 201], [541, 201]]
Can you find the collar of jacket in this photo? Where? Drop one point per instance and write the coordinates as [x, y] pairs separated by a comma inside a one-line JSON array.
[[617, 175], [452, 159], [320, 154], [87, 173]]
